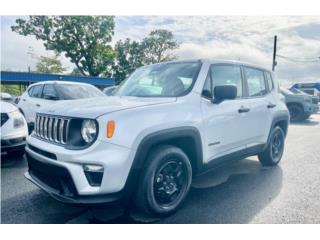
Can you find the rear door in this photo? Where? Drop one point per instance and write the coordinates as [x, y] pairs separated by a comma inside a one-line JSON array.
[[260, 104]]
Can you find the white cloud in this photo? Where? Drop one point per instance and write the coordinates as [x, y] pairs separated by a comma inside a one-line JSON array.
[[248, 38]]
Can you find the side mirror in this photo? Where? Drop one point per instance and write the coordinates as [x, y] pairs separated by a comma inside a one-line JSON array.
[[224, 92], [50, 97]]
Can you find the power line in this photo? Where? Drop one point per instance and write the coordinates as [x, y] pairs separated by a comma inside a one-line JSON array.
[[305, 60]]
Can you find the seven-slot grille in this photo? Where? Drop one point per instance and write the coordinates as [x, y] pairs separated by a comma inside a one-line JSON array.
[[52, 128]]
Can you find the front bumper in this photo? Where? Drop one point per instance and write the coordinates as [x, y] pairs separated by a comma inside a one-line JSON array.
[[60, 172], [14, 144]]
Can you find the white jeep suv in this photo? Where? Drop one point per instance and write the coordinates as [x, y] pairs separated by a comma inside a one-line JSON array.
[[166, 123]]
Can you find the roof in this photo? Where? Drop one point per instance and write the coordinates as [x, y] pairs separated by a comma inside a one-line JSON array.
[[59, 82], [217, 61], [26, 78]]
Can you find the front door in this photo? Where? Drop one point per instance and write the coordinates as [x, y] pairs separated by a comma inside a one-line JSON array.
[[226, 123]]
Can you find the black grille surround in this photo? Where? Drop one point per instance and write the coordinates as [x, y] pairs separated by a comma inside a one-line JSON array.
[[62, 131], [4, 118]]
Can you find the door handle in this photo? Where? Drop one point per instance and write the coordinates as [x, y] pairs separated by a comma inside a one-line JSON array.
[[38, 105], [271, 105], [23, 100], [243, 110]]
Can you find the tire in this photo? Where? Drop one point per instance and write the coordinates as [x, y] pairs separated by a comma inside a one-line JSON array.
[[272, 155], [296, 113], [165, 181], [306, 116]]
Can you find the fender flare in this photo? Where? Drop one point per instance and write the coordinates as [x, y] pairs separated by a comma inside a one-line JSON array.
[[162, 136]]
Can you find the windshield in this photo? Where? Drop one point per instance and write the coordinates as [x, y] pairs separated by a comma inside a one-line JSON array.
[[73, 91], [161, 80]]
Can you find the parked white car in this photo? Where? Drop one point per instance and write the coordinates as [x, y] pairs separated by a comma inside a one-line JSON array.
[[13, 130], [46, 93], [166, 123]]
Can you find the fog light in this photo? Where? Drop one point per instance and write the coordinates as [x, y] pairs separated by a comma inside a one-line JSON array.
[[94, 174]]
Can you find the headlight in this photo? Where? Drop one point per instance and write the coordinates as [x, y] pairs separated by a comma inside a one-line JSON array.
[[88, 130], [17, 117]]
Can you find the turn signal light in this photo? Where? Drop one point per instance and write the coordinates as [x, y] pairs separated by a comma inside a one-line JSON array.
[[111, 126]]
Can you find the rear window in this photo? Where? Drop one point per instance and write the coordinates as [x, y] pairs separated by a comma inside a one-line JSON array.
[[73, 91], [256, 83]]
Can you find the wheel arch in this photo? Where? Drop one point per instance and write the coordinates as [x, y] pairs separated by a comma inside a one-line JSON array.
[[187, 139], [282, 121]]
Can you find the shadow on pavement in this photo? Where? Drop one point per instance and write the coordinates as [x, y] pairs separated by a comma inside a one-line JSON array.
[[9, 162], [231, 194], [308, 122]]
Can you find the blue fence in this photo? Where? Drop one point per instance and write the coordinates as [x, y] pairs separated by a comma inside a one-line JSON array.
[[26, 78]]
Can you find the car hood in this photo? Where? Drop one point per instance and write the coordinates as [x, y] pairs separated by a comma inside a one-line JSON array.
[[7, 107], [95, 107]]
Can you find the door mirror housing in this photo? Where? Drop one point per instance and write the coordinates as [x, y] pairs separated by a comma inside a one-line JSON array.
[[224, 92], [50, 97]]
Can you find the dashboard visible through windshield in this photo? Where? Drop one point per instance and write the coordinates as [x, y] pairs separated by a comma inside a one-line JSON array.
[[161, 80]]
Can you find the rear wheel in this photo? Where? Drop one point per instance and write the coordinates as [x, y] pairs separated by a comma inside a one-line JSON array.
[[296, 113], [165, 182], [273, 153]]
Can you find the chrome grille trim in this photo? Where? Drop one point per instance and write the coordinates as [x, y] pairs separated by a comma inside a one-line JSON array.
[[52, 128], [45, 128]]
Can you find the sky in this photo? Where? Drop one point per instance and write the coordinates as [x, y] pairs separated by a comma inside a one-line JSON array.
[[245, 38]]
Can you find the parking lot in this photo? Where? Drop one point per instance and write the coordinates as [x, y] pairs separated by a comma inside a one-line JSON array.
[[244, 192]]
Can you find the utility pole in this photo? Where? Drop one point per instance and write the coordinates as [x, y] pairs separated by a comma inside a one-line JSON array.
[[274, 62]]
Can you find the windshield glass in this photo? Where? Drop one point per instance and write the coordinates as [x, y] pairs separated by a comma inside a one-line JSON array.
[[161, 80], [73, 91]]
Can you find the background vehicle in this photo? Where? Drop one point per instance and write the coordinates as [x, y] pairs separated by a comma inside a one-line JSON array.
[[13, 130], [309, 88], [7, 97], [300, 106], [166, 123], [315, 99], [109, 91], [46, 93]]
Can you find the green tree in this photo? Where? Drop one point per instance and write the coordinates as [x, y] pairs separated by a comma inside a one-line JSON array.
[[50, 65], [154, 48], [130, 56], [85, 40], [158, 45]]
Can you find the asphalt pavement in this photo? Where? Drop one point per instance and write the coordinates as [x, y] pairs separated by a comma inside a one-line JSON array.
[[244, 192]]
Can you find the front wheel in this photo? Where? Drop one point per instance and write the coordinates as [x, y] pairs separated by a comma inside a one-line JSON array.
[[273, 153], [165, 182]]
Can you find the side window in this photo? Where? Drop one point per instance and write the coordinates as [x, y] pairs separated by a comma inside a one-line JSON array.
[[207, 90], [30, 91], [256, 83], [227, 74], [36, 91], [270, 81], [49, 92]]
